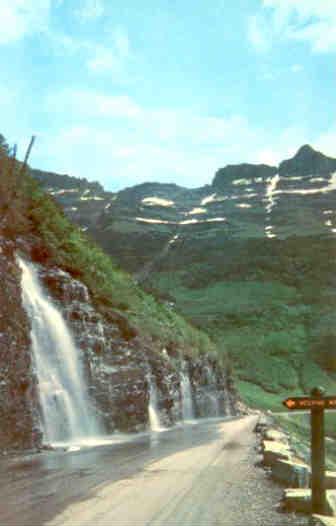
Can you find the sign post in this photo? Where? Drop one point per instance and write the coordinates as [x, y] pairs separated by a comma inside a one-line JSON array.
[[316, 403]]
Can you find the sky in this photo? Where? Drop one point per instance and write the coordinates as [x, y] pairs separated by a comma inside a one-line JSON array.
[[125, 91]]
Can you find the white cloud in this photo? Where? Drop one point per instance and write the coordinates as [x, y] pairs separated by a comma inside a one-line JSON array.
[[8, 97], [121, 42], [22, 17], [326, 142], [296, 68], [84, 104], [119, 142], [258, 34], [268, 156], [111, 58], [309, 21], [103, 60], [90, 10]]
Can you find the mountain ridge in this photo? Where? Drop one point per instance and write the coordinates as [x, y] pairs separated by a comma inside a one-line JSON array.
[[304, 153], [254, 201]]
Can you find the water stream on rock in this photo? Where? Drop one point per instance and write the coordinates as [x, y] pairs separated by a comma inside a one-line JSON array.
[[214, 410], [212, 394], [66, 414], [153, 413], [187, 402]]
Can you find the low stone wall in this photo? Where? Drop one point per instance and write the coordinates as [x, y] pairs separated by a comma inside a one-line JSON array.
[[291, 471]]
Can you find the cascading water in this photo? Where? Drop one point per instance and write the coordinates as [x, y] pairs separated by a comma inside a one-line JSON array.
[[212, 395], [187, 402], [214, 405], [66, 413], [153, 413]]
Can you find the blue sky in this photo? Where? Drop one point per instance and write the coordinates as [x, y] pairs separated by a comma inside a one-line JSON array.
[[153, 90]]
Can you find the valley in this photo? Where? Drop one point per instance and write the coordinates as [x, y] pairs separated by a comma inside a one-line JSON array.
[[248, 258]]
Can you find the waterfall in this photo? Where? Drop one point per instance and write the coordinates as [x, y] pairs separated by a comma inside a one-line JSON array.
[[212, 394], [153, 413], [214, 410], [187, 402], [66, 415]]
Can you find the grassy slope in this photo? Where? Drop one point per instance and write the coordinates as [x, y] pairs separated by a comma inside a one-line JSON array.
[[273, 313], [28, 212]]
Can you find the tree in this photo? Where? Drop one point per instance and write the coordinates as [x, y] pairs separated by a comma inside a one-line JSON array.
[[4, 148], [13, 202]]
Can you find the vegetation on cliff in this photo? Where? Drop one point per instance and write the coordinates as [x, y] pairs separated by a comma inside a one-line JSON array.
[[28, 212]]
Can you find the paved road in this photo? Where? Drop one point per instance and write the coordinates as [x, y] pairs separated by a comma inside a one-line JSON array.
[[194, 475]]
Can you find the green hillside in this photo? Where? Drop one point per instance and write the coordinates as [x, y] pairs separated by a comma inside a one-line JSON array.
[[31, 216], [275, 311], [250, 259]]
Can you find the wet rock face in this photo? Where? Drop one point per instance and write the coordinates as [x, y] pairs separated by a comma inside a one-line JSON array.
[[18, 383], [117, 363], [213, 390], [116, 360], [113, 364]]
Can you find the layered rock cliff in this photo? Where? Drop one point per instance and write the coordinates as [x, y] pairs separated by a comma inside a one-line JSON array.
[[243, 202], [118, 360], [18, 381]]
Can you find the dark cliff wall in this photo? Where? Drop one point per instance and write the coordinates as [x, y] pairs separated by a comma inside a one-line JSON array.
[[18, 383], [118, 362]]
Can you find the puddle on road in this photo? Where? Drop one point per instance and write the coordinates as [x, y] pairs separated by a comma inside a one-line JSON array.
[[232, 445]]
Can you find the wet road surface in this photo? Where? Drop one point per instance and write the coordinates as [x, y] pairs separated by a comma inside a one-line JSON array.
[[190, 475]]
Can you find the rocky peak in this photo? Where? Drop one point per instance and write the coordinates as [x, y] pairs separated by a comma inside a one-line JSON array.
[[308, 161], [305, 151], [150, 189], [242, 171], [66, 182]]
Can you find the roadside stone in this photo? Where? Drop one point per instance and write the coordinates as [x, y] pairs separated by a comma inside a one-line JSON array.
[[291, 473], [330, 479], [274, 451], [322, 520], [262, 424], [299, 500], [275, 435], [331, 500]]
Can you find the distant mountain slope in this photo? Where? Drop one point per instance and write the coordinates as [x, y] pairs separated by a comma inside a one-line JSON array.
[[243, 202], [249, 257]]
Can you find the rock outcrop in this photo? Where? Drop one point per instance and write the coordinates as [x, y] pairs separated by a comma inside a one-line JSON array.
[[308, 161], [117, 362], [18, 382]]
